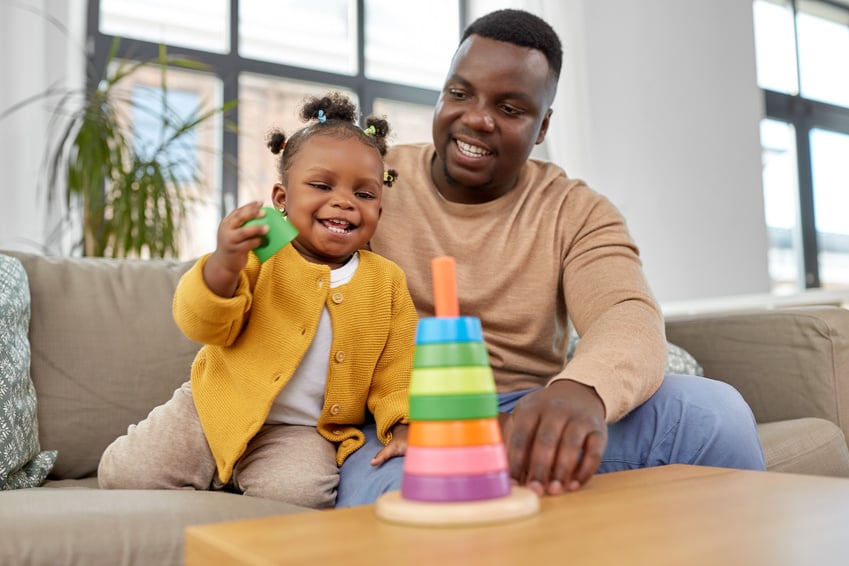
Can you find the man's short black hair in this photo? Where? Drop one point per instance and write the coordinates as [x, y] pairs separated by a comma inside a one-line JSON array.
[[523, 29]]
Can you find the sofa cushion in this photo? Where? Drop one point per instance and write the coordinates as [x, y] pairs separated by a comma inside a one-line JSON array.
[[805, 446], [787, 363], [22, 462], [105, 350], [68, 525]]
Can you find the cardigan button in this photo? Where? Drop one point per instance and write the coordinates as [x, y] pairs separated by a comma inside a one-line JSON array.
[[337, 298], [334, 410], [340, 356]]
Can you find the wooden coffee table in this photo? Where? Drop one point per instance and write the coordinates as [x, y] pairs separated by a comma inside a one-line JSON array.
[[676, 515]]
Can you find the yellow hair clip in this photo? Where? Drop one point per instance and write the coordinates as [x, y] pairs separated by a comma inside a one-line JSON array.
[[370, 131]]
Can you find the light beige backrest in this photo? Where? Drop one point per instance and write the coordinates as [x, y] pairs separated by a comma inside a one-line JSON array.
[[787, 363], [105, 350]]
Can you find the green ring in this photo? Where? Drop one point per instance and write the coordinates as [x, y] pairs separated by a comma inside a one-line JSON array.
[[453, 407], [451, 354], [447, 381]]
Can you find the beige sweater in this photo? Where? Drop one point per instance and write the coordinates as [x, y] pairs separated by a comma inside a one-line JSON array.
[[522, 259]]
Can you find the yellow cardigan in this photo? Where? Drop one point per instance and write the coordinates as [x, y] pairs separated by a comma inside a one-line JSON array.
[[254, 341]]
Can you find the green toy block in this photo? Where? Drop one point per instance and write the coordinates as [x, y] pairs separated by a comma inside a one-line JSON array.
[[280, 233]]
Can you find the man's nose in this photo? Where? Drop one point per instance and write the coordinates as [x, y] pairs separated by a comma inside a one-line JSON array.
[[479, 118]]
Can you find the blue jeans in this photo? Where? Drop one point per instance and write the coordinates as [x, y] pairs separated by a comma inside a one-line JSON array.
[[689, 420]]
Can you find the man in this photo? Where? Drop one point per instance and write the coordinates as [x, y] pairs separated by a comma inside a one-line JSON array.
[[530, 245]]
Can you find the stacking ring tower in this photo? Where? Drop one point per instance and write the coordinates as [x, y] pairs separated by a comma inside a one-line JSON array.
[[455, 466]]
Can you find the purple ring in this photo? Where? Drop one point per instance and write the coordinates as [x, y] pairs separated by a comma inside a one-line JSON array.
[[455, 488]]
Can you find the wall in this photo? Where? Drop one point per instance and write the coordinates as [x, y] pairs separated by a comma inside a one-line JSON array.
[[35, 55], [20, 133], [658, 108]]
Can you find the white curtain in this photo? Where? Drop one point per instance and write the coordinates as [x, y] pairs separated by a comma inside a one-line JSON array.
[[41, 46]]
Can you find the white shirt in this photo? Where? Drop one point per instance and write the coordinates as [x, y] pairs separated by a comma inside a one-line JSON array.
[[302, 399]]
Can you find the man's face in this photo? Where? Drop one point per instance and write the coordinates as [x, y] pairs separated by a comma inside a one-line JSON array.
[[493, 109]]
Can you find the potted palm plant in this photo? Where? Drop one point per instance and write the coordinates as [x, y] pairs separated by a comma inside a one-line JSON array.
[[131, 201]]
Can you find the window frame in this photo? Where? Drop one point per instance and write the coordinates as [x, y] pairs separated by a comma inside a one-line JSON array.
[[228, 66], [804, 115]]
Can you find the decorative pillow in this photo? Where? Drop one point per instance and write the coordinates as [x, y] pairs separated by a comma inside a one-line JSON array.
[[22, 463], [678, 360]]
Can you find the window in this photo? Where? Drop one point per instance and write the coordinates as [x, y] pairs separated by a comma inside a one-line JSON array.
[[173, 22], [313, 35], [830, 172], [802, 52], [400, 32], [391, 57], [781, 204], [189, 94]]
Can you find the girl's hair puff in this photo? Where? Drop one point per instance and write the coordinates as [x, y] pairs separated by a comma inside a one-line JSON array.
[[333, 114]]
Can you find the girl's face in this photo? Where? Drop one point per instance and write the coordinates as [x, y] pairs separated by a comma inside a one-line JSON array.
[[332, 195]]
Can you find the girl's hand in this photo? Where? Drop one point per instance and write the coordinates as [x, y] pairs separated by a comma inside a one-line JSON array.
[[235, 241], [396, 447]]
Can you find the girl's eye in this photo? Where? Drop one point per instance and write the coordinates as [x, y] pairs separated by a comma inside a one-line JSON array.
[[320, 186], [365, 195]]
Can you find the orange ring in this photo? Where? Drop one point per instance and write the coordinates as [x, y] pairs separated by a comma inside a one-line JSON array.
[[454, 433]]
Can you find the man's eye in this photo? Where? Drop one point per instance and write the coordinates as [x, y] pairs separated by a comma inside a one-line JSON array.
[[456, 94], [512, 110]]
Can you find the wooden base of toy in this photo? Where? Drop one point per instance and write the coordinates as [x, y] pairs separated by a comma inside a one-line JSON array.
[[522, 502]]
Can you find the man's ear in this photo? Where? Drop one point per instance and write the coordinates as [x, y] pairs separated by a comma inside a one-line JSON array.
[[278, 196], [543, 128]]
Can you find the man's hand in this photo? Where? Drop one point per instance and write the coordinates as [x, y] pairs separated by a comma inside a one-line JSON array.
[[396, 447], [555, 437]]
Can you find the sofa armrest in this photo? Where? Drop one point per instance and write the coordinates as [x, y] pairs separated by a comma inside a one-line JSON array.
[[786, 363]]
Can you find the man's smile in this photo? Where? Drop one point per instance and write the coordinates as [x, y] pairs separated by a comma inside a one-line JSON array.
[[470, 150]]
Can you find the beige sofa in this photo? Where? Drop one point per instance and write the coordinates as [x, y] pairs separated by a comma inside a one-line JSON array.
[[792, 367], [105, 351]]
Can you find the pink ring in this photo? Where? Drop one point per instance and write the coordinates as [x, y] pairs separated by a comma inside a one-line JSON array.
[[454, 460]]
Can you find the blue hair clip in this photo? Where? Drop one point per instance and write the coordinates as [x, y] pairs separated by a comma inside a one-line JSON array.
[[321, 117]]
